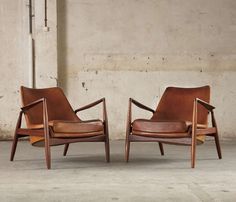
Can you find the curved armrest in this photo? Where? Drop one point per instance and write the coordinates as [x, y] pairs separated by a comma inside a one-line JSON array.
[[195, 110], [90, 105], [205, 104], [94, 104], [140, 105], [45, 115], [32, 104]]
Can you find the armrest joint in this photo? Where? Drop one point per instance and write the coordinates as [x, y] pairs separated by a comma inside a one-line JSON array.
[[140, 105], [206, 105], [102, 100]]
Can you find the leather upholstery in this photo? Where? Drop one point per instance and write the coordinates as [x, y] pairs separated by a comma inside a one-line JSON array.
[[153, 126], [76, 129], [58, 106], [166, 129], [63, 121], [173, 115], [177, 104]]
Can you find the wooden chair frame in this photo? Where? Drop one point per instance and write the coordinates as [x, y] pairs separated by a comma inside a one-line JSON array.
[[46, 131], [193, 132]]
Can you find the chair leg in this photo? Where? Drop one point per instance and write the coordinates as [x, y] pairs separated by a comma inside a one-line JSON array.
[[127, 149], [16, 137], [193, 153], [14, 145], [217, 142], [48, 154], [65, 149], [161, 148], [107, 151], [216, 136]]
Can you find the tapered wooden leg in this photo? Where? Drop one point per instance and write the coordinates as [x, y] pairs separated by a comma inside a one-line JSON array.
[[15, 139], [217, 142], [14, 145], [107, 150], [48, 155], [194, 134], [107, 142], [161, 148], [46, 135], [193, 152], [65, 149], [127, 149]]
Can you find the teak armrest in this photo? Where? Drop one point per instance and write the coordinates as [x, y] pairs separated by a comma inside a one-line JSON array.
[[32, 104], [195, 119], [94, 104], [90, 105], [45, 115], [140, 105], [205, 104]]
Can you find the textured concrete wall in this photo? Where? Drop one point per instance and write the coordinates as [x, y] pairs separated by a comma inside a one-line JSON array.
[[120, 49], [148, 35], [45, 44], [135, 48], [14, 55], [13, 40]]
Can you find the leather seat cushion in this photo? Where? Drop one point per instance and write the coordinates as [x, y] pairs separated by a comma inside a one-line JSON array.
[[78, 126], [151, 126], [69, 129]]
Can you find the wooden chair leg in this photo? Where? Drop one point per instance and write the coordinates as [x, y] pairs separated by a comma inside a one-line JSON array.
[[194, 135], [161, 148], [216, 136], [193, 152], [107, 151], [65, 149], [16, 137], [48, 154], [14, 145], [217, 142], [127, 149]]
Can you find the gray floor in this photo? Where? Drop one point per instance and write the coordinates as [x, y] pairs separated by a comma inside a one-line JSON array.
[[84, 176]]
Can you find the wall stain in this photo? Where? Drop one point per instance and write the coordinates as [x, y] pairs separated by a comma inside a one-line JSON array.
[[83, 85], [1, 96], [54, 78]]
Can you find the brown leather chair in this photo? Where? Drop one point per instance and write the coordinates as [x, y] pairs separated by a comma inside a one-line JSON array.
[[181, 118], [51, 121]]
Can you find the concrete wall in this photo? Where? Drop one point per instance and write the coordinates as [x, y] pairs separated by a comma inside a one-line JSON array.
[[15, 57], [135, 48], [46, 72], [121, 49], [13, 40]]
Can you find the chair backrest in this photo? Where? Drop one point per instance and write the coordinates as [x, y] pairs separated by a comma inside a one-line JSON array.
[[57, 105], [177, 104]]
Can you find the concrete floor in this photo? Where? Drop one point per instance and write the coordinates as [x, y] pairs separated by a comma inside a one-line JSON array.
[[84, 176]]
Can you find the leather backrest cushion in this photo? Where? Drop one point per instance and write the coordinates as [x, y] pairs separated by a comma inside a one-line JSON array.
[[177, 104], [57, 105]]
